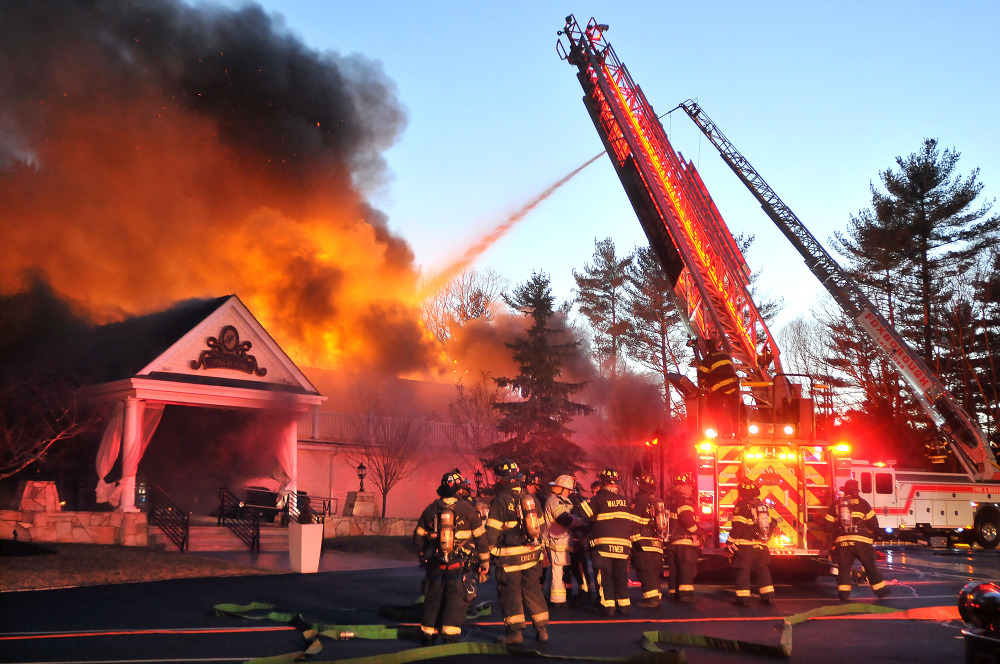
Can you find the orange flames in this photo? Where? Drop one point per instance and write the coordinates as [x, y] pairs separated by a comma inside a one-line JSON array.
[[129, 183]]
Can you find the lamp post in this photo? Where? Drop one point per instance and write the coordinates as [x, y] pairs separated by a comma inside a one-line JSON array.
[[479, 482], [362, 471]]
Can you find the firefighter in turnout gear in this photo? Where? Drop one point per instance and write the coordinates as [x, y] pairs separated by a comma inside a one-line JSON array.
[[684, 544], [647, 542], [451, 539], [559, 524], [513, 529], [750, 529], [612, 525], [854, 524], [718, 380]]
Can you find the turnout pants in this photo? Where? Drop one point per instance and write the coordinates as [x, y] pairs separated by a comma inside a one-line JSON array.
[[844, 556], [682, 565], [445, 602], [521, 591], [611, 575], [649, 572], [752, 561]]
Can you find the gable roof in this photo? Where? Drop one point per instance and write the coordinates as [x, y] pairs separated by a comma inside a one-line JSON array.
[[185, 344]]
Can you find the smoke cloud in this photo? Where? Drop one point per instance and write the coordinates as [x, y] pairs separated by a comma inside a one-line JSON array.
[[152, 152]]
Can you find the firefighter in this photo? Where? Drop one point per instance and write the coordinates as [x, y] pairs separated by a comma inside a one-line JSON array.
[[513, 530], [684, 545], [559, 524], [854, 524], [612, 525], [451, 539], [719, 382], [647, 541], [751, 527], [579, 555]]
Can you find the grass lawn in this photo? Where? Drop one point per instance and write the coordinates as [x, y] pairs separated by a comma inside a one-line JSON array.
[[24, 566]]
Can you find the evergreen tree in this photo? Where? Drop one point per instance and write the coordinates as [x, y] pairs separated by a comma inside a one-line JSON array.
[[918, 236], [908, 253], [657, 340], [535, 427], [601, 298]]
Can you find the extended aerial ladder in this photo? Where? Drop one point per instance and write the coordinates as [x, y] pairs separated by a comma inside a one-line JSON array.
[[701, 259], [971, 447]]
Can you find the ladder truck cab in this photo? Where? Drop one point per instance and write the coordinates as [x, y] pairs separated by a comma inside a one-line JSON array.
[[781, 445], [939, 509]]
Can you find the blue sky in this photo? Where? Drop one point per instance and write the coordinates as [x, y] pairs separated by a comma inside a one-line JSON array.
[[818, 96]]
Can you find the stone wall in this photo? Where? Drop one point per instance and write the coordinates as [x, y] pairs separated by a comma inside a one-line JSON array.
[[39, 518], [343, 526], [127, 528]]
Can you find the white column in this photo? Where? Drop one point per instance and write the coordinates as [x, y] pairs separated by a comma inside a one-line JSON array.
[[132, 429], [291, 444]]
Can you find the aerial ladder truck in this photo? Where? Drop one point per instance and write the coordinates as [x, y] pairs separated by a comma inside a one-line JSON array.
[[782, 440]]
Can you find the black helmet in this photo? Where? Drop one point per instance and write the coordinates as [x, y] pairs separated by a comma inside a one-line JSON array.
[[683, 478], [851, 487], [747, 488], [506, 469], [450, 483], [608, 476], [646, 481], [683, 481], [531, 477]]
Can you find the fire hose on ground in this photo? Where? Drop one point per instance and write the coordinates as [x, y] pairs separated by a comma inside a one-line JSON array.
[[650, 642]]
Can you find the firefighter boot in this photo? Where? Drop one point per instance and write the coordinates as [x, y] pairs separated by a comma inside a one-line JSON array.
[[742, 601], [883, 592], [511, 638], [542, 634], [685, 597], [845, 597], [767, 599]]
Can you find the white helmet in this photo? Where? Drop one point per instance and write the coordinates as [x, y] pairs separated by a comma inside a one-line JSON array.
[[567, 482]]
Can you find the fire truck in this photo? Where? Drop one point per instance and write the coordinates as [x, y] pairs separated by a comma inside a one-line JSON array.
[[939, 509], [782, 438]]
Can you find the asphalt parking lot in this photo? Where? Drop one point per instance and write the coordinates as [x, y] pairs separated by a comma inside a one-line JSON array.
[[174, 621]]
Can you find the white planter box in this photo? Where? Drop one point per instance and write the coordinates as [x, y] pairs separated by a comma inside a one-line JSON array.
[[305, 541]]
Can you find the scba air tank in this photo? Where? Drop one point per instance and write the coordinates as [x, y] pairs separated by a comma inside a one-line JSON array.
[[530, 519], [446, 535]]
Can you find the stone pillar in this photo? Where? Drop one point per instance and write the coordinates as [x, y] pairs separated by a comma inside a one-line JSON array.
[[131, 432]]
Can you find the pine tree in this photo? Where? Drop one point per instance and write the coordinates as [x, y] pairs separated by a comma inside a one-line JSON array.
[[535, 427], [601, 298], [657, 339]]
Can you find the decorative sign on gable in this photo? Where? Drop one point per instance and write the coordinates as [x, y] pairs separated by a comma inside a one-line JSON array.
[[227, 352]]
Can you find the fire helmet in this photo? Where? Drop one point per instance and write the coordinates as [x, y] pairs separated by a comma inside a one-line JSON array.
[[450, 483], [747, 488], [683, 481], [531, 477], [608, 476], [851, 487], [567, 482], [646, 481], [506, 469]]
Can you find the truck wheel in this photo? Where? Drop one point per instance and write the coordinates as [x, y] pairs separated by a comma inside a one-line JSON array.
[[988, 530]]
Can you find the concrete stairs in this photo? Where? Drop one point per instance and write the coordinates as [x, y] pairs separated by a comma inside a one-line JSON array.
[[202, 537]]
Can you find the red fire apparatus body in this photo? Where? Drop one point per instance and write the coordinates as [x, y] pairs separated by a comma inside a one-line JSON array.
[[782, 439]]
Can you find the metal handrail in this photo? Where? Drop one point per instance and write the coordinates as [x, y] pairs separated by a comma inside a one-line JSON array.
[[168, 517], [242, 522]]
